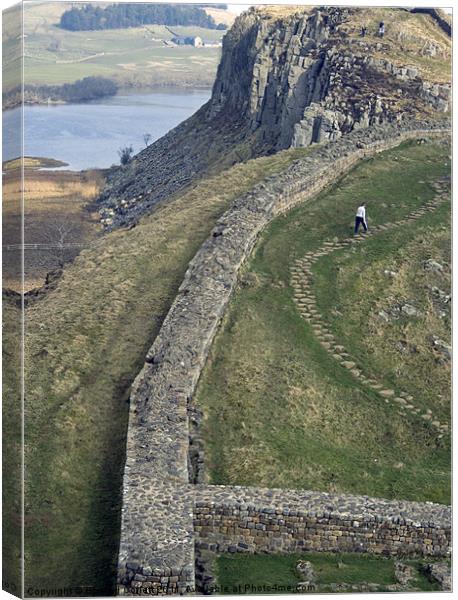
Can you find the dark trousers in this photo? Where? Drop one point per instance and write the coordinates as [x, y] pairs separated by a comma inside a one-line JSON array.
[[360, 221]]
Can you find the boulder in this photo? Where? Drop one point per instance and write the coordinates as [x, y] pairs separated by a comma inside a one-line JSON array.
[[432, 265]]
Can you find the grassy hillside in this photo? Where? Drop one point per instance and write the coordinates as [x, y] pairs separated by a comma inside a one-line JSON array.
[[12, 443], [410, 39], [279, 409], [85, 343], [11, 48], [387, 307], [138, 56]]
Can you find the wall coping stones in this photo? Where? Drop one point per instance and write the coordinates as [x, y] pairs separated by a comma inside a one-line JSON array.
[[157, 451], [323, 504]]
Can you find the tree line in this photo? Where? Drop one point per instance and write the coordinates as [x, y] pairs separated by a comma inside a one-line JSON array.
[[82, 90], [116, 16]]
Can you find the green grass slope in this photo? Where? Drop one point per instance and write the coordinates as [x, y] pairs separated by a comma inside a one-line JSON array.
[[279, 411], [12, 443]]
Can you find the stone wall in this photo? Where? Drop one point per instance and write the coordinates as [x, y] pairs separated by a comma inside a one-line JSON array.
[[440, 572], [236, 519], [157, 530]]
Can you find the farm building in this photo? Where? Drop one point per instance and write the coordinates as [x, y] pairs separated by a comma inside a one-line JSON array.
[[195, 41]]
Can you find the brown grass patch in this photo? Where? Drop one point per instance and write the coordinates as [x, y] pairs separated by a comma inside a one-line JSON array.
[[55, 209]]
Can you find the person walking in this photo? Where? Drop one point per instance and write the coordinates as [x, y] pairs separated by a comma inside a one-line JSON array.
[[360, 218], [381, 29]]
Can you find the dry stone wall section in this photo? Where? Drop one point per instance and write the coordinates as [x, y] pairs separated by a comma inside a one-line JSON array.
[[158, 529], [237, 519]]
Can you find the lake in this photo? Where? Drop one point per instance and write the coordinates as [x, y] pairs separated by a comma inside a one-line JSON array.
[[89, 135]]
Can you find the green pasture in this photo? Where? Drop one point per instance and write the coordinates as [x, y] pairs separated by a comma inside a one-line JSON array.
[[279, 410]]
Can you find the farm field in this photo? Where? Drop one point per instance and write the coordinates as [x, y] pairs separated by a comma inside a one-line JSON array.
[[134, 57], [279, 410], [139, 57]]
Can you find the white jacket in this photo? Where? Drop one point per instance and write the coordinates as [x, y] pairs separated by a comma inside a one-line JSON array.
[[361, 212]]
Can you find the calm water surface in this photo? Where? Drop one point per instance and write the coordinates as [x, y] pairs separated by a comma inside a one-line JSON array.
[[89, 135]]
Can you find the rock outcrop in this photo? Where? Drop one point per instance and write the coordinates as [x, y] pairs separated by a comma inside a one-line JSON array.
[[291, 80], [440, 573], [307, 79]]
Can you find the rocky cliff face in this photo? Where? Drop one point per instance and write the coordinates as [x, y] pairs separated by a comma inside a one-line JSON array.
[[289, 80], [312, 77]]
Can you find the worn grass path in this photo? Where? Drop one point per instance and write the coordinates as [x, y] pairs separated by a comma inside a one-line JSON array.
[[279, 409]]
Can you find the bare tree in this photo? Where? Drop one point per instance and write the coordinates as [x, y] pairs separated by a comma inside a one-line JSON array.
[[147, 139], [62, 238]]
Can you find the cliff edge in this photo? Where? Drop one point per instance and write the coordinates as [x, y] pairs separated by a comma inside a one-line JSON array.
[[291, 77]]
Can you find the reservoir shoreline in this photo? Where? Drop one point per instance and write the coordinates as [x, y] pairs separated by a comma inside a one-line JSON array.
[[89, 135], [178, 86]]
